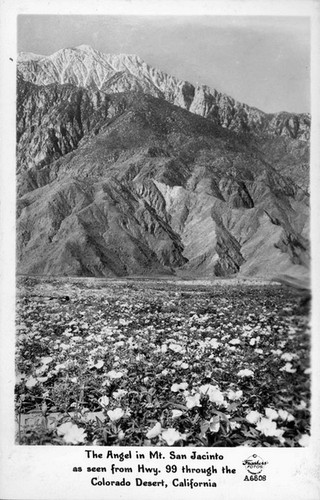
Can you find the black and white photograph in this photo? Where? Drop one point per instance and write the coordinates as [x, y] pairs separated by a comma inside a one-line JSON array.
[[163, 252]]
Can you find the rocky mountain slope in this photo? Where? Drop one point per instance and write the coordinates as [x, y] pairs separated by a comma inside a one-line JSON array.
[[85, 67], [122, 171]]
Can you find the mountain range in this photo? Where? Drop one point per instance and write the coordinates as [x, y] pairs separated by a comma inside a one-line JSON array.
[[123, 169]]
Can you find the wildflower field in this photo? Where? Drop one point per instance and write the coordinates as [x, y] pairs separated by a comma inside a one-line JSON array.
[[160, 363]]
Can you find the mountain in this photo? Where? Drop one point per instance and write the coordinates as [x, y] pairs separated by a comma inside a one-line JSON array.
[[85, 67], [124, 170]]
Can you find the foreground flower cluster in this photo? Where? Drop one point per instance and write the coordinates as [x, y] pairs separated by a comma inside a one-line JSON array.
[[151, 363]]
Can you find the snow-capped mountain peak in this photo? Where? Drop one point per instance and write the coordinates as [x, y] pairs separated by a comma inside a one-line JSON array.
[[84, 66]]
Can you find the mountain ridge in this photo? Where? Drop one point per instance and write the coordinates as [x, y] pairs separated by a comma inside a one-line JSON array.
[[87, 67], [128, 183]]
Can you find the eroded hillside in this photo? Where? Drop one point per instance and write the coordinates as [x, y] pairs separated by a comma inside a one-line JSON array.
[[128, 183]]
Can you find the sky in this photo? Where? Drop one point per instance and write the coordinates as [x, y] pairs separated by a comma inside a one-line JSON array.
[[263, 61]]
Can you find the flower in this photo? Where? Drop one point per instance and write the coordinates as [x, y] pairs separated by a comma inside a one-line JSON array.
[[176, 348], [124, 322], [269, 427], [234, 342], [41, 370], [119, 393], [99, 364], [234, 425], [193, 401], [177, 363], [302, 405], [179, 387], [253, 417], [76, 338], [155, 431], [46, 360], [214, 344], [245, 373], [214, 424], [60, 366], [121, 435], [206, 388], [246, 328], [270, 413], [114, 375], [216, 396], [71, 433], [234, 395], [171, 436], [107, 330], [19, 377], [104, 401], [304, 440], [288, 368], [287, 356], [116, 414], [284, 415], [176, 413], [31, 382], [276, 352]]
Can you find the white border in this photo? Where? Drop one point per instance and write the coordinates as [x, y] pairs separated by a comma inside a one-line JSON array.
[[45, 472]]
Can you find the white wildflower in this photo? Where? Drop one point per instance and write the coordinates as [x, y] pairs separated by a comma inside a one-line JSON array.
[[269, 428], [116, 414], [253, 417], [171, 436], [245, 373], [31, 382], [154, 431], [288, 368], [176, 348], [71, 433], [284, 415], [114, 374], [179, 387], [192, 401], [287, 356], [119, 394], [214, 424], [270, 413], [234, 395], [104, 401], [304, 440], [176, 413], [234, 342]]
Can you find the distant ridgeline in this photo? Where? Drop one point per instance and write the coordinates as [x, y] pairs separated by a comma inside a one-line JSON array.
[[123, 169]]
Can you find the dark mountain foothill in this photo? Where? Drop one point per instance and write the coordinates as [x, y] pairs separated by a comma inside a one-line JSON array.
[[122, 170]]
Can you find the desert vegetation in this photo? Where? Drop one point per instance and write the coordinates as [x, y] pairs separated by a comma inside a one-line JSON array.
[[161, 362]]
